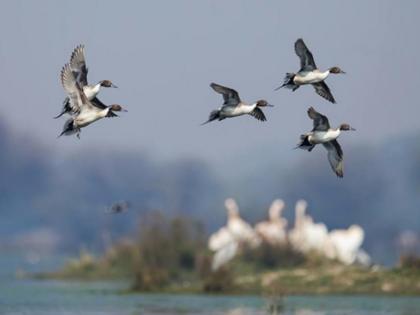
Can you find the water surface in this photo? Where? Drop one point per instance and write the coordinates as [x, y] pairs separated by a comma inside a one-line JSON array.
[[35, 297]]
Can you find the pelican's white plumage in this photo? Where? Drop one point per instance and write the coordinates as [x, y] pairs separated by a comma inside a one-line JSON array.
[[224, 255], [347, 243], [241, 230], [306, 235], [274, 231], [227, 240]]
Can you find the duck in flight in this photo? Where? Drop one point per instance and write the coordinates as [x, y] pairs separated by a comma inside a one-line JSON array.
[[309, 73], [233, 106], [83, 111], [323, 134], [80, 71], [119, 207]]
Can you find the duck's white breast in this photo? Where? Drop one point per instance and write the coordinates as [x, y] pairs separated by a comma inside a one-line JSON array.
[[310, 77], [324, 136], [87, 117], [91, 91], [232, 111]]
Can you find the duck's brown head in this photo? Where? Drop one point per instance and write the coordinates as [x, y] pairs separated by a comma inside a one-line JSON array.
[[117, 108], [107, 83], [346, 127], [336, 70], [263, 103]]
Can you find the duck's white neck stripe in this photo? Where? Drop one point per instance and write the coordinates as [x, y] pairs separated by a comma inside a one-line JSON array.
[[325, 74]]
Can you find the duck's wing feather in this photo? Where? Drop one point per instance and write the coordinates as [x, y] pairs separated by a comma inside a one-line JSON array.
[[97, 103], [321, 122], [230, 96], [322, 89], [78, 65], [307, 62], [258, 114], [335, 156], [77, 98]]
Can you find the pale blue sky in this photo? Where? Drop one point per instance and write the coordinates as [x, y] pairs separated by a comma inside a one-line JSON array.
[[164, 54]]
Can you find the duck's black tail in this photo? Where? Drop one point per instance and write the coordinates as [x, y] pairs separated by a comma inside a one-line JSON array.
[[66, 108], [304, 143], [69, 128], [213, 116], [59, 115], [288, 82]]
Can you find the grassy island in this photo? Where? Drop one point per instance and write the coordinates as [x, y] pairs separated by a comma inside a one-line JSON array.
[[170, 255]]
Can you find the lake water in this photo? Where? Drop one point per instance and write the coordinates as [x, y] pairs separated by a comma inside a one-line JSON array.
[[21, 297]]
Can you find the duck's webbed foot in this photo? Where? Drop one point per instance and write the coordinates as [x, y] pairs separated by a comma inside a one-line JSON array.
[[78, 133]]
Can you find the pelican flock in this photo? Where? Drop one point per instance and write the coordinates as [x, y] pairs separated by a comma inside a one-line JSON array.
[[305, 237]]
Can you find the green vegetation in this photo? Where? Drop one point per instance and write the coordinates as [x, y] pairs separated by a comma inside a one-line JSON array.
[[170, 255]]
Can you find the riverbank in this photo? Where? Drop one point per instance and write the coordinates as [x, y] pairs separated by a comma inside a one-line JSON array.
[[246, 278], [170, 255]]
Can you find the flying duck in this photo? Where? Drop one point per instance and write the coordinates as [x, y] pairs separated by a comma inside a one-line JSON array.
[[80, 71], [83, 111], [309, 73], [233, 106], [119, 207], [323, 134]]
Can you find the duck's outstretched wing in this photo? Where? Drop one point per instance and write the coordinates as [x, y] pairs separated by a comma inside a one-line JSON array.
[[335, 156], [321, 122], [76, 96], [307, 62], [97, 103], [78, 65], [258, 114], [322, 89], [230, 96]]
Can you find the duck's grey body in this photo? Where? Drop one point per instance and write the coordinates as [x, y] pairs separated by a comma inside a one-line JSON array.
[[310, 77], [233, 111], [80, 71], [84, 112], [309, 73], [323, 134], [233, 106]]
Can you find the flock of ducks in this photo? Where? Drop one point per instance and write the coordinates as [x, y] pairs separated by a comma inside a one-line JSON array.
[[82, 103], [84, 107]]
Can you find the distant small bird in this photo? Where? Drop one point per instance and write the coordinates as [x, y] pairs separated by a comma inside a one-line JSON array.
[[119, 207], [323, 133], [233, 106], [80, 71], [84, 112], [309, 73]]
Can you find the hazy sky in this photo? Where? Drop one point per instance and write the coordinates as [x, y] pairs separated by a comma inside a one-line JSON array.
[[164, 54]]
